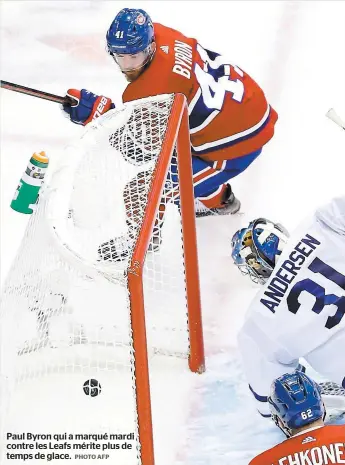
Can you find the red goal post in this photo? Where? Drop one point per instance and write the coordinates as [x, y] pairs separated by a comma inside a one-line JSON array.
[[177, 134]]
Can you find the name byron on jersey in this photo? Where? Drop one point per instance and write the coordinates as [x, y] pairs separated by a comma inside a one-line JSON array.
[[229, 115], [183, 59]]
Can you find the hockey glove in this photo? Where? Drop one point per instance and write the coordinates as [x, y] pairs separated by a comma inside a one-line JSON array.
[[86, 106]]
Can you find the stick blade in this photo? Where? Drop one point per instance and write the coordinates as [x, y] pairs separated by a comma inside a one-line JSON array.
[[332, 115]]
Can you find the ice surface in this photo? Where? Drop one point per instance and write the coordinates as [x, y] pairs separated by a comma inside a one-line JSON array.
[[295, 50]]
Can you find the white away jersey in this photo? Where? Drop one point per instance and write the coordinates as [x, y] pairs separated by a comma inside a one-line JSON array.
[[300, 310]]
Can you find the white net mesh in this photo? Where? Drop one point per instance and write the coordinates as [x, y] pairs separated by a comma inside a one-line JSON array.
[[65, 316]]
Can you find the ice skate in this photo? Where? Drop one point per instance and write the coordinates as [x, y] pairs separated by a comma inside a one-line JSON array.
[[230, 206]]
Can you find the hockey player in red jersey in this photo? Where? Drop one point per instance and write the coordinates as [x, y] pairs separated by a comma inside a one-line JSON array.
[[298, 410], [230, 119]]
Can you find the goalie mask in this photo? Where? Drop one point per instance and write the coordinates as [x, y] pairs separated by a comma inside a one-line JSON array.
[[256, 249]]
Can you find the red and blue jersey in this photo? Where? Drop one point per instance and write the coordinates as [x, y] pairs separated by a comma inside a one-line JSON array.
[[229, 116], [319, 445]]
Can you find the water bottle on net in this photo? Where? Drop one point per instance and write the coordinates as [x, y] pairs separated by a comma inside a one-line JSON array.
[[26, 195]]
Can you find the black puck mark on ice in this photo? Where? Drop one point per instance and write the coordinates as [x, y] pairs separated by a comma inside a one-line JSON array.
[[92, 388]]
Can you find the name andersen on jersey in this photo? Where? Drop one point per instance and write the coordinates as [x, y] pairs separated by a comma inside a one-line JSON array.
[[287, 272]]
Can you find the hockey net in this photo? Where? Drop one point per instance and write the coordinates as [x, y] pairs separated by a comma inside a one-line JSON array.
[[104, 290]]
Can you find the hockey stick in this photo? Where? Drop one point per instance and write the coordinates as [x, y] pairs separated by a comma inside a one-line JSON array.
[[37, 93], [332, 115]]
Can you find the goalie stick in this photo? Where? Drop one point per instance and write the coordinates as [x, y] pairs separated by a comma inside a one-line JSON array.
[[332, 115], [38, 93]]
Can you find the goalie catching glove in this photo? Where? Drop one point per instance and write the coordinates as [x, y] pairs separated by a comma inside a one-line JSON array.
[[86, 106]]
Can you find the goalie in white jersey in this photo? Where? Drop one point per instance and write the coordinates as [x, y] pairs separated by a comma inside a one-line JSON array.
[[300, 310]]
